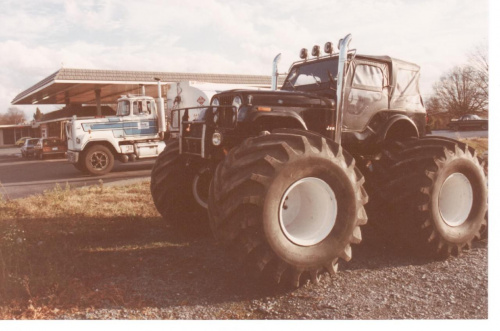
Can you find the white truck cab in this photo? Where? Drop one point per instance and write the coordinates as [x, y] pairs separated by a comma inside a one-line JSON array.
[[94, 143]]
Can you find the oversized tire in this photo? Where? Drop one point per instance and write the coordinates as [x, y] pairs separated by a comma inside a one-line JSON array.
[[290, 204], [98, 160], [175, 188], [428, 194]]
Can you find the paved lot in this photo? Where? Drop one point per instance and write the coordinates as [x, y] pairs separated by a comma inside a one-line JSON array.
[[20, 177]]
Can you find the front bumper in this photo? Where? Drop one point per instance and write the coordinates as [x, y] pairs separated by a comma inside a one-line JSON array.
[[72, 156], [195, 130]]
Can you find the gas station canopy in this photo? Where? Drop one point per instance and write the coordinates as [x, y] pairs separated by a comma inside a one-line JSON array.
[[84, 86]]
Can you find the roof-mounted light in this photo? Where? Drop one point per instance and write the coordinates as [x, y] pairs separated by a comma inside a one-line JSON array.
[[303, 53], [316, 51], [328, 48]]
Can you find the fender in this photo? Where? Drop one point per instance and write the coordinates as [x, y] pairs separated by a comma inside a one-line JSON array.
[[115, 147], [399, 126]]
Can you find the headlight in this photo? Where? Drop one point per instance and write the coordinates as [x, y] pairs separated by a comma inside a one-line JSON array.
[[216, 139], [237, 102]]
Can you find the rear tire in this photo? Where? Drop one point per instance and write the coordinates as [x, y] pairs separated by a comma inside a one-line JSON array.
[[429, 194], [172, 189], [260, 205]]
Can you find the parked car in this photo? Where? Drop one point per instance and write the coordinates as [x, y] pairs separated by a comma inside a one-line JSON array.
[[50, 146], [28, 149], [21, 141], [469, 121]]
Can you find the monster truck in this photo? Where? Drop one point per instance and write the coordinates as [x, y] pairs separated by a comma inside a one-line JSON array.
[[281, 173]]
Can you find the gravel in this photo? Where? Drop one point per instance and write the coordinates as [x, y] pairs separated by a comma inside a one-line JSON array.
[[196, 279]]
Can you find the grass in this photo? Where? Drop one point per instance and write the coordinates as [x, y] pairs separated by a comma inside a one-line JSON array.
[[479, 144], [57, 248], [79, 249]]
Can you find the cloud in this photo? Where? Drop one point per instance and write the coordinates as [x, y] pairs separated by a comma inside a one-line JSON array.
[[221, 36]]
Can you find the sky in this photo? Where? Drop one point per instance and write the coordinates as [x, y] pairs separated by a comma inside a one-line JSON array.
[[38, 37]]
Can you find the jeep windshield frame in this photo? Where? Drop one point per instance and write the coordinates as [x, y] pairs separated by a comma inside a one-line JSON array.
[[312, 75]]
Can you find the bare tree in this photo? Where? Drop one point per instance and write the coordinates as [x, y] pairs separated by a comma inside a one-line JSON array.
[[478, 59], [459, 91], [13, 116], [433, 106]]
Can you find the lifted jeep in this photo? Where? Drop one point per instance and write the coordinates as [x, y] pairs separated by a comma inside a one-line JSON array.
[[277, 172]]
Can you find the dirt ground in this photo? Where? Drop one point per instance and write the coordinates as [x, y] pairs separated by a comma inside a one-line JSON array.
[[110, 260]]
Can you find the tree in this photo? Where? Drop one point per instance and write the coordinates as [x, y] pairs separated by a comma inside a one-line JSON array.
[[13, 116], [432, 105], [478, 59], [37, 116], [460, 91]]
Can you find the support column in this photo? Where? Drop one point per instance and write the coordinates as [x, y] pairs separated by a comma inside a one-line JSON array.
[[98, 101], [66, 98]]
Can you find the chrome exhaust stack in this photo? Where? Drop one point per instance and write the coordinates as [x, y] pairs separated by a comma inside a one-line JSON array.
[[275, 74], [343, 48], [162, 124]]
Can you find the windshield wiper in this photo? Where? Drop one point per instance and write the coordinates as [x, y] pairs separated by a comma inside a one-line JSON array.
[[332, 81], [318, 82], [290, 83]]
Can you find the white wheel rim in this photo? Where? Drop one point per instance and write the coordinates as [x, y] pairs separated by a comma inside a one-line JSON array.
[[308, 211], [99, 160], [202, 202], [455, 199]]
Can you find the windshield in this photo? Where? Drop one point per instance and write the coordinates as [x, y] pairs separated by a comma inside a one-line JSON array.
[[315, 75], [123, 108], [31, 142]]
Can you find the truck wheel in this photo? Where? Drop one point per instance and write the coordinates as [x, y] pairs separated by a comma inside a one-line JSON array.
[[98, 160], [430, 193], [178, 189], [291, 203]]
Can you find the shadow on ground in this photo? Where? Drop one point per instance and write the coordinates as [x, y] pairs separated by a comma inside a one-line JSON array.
[[136, 262]]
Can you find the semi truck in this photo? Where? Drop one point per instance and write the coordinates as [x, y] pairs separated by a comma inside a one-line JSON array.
[[137, 131]]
